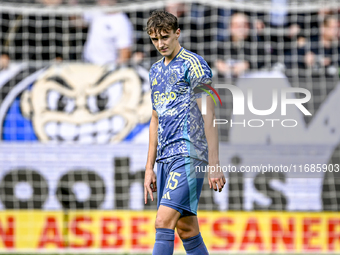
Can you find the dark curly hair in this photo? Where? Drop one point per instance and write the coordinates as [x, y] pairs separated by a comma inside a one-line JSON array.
[[161, 21]]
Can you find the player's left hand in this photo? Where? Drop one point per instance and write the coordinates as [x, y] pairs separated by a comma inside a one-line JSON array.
[[216, 178]]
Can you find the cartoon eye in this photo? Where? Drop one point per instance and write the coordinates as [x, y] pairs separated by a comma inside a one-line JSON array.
[[106, 99], [59, 102]]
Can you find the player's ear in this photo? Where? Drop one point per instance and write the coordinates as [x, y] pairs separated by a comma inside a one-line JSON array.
[[25, 104], [178, 32]]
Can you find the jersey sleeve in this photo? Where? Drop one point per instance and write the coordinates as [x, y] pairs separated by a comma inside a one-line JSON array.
[[88, 16], [199, 74]]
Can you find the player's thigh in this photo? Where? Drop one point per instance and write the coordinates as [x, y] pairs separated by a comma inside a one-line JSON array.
[[166, 217], [187, 227]]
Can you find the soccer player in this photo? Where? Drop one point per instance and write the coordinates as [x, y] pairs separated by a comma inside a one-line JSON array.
[[179, 138]]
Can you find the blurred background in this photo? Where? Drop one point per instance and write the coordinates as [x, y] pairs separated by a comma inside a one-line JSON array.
[[75, 110]]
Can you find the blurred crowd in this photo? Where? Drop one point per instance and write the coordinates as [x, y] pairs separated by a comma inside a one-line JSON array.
[[232, 41]]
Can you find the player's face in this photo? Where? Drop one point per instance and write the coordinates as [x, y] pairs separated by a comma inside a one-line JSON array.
[[165, 42]]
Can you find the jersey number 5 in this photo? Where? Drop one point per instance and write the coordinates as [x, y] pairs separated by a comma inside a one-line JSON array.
[[172, 178]]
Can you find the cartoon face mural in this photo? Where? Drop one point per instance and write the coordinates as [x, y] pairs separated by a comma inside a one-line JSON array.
[[87, 104]]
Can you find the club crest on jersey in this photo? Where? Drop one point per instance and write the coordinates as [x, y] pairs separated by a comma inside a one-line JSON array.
[[173, 78]]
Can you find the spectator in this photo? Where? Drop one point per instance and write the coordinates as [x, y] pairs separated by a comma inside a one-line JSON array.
[[323, 56], [241, 52], [299, 29], [109, 37], [32, 37]]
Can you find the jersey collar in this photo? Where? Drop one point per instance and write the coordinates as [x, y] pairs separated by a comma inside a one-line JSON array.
[[172, 60]]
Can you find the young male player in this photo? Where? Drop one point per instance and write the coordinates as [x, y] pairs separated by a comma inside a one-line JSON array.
[[179, 137]]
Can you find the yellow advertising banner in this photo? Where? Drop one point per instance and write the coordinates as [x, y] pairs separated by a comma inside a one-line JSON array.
[[134, 231]]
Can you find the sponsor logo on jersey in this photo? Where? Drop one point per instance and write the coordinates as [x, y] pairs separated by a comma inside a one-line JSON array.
[[163, 97]]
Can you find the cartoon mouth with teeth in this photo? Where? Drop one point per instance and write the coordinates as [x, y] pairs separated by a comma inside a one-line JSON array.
[[87, 104]]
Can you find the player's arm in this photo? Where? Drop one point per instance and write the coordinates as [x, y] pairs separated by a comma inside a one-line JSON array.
[[150, 177], [124, 55], [124, 40], [216, 178]]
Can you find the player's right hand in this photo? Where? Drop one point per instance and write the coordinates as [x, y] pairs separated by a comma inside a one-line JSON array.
[[149, 184]]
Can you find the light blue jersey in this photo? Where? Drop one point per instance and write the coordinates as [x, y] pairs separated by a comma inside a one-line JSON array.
[[181, 126]]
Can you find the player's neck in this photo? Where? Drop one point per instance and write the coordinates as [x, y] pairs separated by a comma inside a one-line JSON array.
[[167, 59]]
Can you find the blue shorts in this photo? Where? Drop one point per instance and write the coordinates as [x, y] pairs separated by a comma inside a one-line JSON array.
[[179, 186]]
